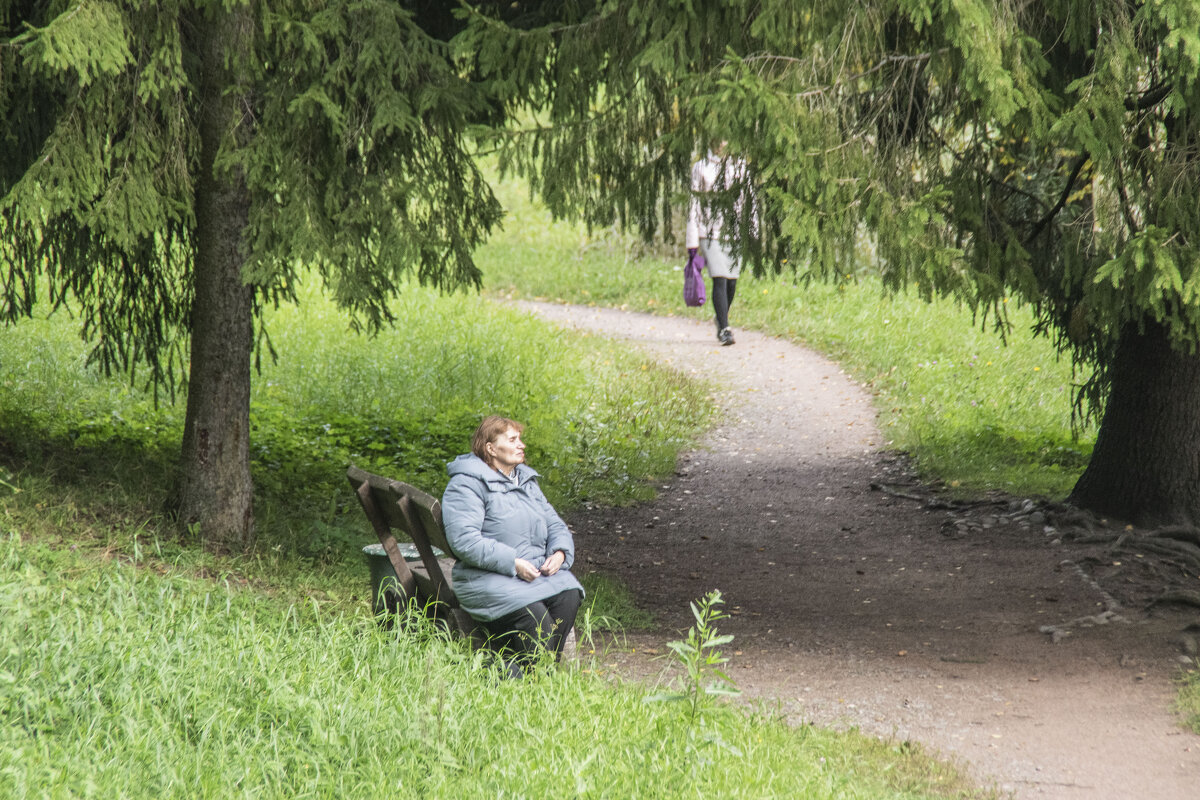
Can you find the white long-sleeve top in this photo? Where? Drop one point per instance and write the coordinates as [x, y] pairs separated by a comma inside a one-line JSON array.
[[711, 174]]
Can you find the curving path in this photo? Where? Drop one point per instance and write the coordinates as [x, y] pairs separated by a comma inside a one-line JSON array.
[[855, 607]]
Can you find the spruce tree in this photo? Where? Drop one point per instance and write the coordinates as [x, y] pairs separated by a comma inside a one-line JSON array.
[[166, 168], [999, 152]]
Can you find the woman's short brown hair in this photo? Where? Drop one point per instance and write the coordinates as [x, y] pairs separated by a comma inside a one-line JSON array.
[[489, 430]]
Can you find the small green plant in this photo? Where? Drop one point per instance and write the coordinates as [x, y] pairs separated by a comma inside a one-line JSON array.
[[586, 628], [610, 605], [704, 679]]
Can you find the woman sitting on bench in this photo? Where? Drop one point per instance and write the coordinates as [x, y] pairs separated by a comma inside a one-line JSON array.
[[514, 552]]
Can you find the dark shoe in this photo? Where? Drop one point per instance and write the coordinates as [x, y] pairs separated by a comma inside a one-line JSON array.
[[726, 337]]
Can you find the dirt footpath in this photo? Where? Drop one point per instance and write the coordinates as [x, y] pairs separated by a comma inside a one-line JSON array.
[[867, 607]]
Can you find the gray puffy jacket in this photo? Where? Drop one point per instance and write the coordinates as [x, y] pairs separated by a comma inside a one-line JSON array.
[[490, 522]]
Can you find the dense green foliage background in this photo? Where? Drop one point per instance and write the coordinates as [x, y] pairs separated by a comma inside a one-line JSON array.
[[402, 403]]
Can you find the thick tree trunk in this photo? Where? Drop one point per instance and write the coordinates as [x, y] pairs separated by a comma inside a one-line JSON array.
[[1145, 468], [215, 492]]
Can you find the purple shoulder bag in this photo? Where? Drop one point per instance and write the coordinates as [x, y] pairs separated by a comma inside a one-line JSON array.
[[693, 280]]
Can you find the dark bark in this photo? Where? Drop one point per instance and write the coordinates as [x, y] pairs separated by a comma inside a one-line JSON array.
[[215, 492], [1145, 468]]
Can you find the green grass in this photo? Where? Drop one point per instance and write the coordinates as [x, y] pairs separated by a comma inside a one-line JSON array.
[[600, 423], [975, 414], [91, 458], [129, 677], [1187, 703]]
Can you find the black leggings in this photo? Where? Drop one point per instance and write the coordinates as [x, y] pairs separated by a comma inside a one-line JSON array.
[[541, 625], [723, 290]]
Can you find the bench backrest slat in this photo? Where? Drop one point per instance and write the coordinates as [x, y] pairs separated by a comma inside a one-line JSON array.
[[391, 504], [384, 532]]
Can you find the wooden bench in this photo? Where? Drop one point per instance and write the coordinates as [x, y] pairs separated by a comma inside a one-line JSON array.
[[391, 505]]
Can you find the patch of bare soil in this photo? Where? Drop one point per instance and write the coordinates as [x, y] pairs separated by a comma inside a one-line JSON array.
[[1002, 635]]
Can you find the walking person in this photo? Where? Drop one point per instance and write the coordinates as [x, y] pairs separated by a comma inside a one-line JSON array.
[[715, 173]]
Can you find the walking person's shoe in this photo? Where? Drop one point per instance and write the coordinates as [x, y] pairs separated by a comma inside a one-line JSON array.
[[726, 337]]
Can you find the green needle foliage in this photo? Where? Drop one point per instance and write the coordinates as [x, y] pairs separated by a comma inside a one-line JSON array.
[[357, 166]]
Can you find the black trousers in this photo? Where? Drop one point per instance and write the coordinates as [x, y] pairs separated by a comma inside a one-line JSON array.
[[543, 625], [723, 290]]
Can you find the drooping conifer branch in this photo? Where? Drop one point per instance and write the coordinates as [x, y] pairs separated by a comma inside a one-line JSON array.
[[1067, 189]]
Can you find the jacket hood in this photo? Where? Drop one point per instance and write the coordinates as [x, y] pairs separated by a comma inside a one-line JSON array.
[[473, 466]]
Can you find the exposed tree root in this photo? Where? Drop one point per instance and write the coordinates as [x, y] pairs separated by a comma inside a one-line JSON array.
[[893, 492], [932, 502], [1180, 533], [1064, 629], [1183, 554], [1180, 596], [1162, 557], [1176, 544]]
